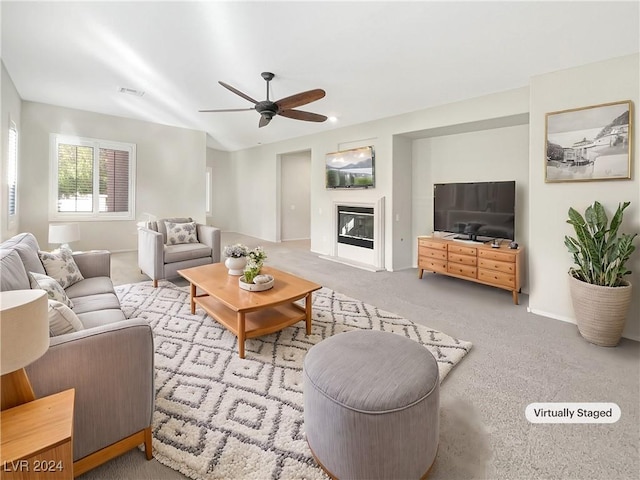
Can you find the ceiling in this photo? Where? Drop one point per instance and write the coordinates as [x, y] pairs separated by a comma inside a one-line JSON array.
[[374, 59]]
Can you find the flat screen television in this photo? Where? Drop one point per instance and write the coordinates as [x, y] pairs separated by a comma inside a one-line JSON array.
[[351, 168], [478, 211]]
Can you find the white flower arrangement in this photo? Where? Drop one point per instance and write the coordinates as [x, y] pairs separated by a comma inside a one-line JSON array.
[[236, 251], [256, 258]]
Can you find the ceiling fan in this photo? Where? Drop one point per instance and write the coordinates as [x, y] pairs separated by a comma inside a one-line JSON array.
[[285, 106]]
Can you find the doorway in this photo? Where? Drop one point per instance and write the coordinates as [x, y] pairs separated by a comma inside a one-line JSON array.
[[295, 200]]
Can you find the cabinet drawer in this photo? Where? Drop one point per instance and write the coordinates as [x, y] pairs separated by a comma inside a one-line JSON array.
[[500, 256], [429, 243], [431, 253], [489, 264], [462, 250], [497, 278], [464, 259], [432, 264], [462, 270]]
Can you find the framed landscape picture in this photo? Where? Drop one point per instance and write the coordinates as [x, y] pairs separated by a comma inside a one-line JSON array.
[[590, 143]]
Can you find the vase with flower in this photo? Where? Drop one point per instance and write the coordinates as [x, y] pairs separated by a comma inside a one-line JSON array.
[[236, 258]]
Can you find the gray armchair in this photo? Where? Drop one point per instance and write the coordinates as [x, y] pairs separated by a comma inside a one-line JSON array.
[[159, 259]]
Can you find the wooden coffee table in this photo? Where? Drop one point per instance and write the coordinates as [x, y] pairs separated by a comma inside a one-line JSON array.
[[250, 314]]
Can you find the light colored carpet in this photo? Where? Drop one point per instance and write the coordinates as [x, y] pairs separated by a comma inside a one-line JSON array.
[[221, 417]]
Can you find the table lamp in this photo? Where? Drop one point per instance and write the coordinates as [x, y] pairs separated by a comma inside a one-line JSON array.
[[64, 233], [24, 337]]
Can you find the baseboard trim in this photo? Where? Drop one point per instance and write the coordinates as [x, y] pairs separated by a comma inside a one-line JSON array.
[[351, 263], [564, 318]]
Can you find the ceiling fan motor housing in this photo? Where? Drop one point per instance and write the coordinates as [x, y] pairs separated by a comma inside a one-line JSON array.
[[267, 109]]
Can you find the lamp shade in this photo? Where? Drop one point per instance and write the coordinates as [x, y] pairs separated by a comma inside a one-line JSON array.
[[24, 328], [64, 233]]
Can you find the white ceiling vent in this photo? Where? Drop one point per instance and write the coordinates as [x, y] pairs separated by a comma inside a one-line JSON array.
[[131, 91]]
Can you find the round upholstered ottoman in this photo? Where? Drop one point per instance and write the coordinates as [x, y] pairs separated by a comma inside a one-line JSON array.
[[371, 406]]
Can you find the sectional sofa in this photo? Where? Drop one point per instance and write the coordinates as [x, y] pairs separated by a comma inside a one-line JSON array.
[[109, 361]]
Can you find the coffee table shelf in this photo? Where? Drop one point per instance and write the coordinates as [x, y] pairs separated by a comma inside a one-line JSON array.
[[257, 323]]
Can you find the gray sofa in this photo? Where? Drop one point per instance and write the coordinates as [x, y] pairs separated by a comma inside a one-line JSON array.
[[159, 260], [109, 363]]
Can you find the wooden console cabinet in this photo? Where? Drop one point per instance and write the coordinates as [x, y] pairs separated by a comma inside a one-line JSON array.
[[481, 263]]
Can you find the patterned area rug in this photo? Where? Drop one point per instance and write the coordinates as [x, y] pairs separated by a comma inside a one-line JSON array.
[[220, 417]]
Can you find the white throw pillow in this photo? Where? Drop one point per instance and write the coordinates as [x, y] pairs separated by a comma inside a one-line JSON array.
[[181, 233], [60, 265], [51, 286], [62, 319]]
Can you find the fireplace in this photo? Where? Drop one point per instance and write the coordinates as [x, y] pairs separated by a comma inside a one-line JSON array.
[[355, 226], [359, 234]]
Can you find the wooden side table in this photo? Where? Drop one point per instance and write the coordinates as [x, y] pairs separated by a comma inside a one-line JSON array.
[[37, 439]]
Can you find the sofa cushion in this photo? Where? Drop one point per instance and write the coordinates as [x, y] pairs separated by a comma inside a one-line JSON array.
[[94, 303], [102, 317], [178, 233], [27, 247], [185, 251], [51, 286], [90, 286], [162, 228], [59, 264], [14, 276], [62, 319]]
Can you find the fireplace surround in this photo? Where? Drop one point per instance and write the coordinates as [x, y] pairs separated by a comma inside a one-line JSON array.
[[359, 234]]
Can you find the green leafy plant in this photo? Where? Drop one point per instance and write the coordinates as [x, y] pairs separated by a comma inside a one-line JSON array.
[[256, 258], [599, 253]]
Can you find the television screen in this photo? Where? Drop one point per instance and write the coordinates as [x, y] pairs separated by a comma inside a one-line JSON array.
[[477, 211], [350, 168]]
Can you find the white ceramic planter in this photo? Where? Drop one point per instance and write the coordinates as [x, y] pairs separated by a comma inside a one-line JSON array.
[[235, 265], [600, 311]]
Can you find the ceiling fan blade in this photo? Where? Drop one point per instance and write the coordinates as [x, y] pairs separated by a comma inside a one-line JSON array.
[[264, 121], [238, 92], [228, 110], [300, 115], [299, 99]]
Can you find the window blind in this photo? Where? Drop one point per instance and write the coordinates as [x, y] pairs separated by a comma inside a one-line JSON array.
[[12, 170], [75, 178], [114, 180]]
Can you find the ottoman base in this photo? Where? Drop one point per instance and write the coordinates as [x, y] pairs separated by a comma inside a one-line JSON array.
[[333, 477]]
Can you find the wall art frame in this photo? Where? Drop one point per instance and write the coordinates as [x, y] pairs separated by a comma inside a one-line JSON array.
[[589, 143]]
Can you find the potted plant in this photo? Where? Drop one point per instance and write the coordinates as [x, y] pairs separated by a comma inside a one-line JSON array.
[[599, 293], [255, 260]]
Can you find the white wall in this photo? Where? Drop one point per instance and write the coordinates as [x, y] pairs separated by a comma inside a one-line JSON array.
[[11, 109], [402, 221], [603, 82], [223, 211], [295, 201], [169, 178]]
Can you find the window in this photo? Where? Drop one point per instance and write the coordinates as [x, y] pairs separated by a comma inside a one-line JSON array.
[[12, 173], [208, 178], [92, 179]]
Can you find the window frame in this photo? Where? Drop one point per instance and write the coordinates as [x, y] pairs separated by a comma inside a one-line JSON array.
[[208, 190], [12, 174], [96, 144]]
